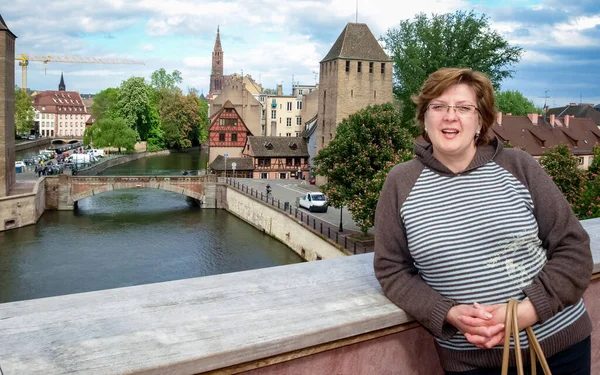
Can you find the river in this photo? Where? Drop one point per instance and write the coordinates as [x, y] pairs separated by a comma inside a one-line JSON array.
[[131, 237]]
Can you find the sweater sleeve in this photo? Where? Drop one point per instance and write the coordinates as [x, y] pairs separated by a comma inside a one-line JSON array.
[[394, 266], [568, 271]]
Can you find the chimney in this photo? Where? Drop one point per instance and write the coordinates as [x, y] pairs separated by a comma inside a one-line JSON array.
[[567, 120], [499, 118], [533, 117], [279, 90], [552, 120]]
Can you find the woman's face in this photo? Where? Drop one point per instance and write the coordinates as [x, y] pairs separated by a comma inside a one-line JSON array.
[[452, 130]]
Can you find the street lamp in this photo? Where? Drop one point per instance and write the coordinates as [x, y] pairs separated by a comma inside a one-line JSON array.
[[341, 227]]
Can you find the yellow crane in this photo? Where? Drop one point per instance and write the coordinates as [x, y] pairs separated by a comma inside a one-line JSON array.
[[24, 60]]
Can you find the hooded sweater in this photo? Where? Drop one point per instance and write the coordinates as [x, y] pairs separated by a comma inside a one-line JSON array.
[[499, 230]]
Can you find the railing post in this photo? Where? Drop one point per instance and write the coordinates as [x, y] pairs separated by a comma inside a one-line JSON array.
[[296, 213], [321, 227], [261, 196], [354, 248], [251, 191], [346, 242], [278, 204], [337, 237], [328, 232], [314, 225], [301, 216]]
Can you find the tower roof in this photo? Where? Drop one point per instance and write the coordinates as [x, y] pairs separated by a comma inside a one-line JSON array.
[[218, 41], [4, 27], [356, 42], [61, 85]]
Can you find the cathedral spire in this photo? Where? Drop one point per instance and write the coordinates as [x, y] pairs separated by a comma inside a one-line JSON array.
[[218, 41], [216, 76], [61, 85]]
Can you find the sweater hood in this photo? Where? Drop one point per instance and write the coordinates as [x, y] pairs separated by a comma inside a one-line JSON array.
[[483, 155]]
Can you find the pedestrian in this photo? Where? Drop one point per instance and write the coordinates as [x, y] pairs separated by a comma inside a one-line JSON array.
[[468, 225], [38, 170]]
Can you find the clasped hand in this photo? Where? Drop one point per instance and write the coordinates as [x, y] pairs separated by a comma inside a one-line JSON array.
[[483, 325]]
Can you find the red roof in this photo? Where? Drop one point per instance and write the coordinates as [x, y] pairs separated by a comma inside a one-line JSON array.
[[59, 102]]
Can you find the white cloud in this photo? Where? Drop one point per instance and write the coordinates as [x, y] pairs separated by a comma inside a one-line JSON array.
[[147, 47]]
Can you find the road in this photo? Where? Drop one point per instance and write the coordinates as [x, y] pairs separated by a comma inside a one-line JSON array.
[[288, 190]]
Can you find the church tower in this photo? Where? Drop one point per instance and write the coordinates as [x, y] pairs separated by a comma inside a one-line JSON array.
[[216, 76], [61, 85], [7, 109]]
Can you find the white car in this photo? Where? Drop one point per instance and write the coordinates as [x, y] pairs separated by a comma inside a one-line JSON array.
[[314, 201]]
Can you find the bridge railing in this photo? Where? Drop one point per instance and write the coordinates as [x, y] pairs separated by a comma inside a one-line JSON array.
[[313, 223]]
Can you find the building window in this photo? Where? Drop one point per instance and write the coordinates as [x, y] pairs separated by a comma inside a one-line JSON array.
[[297, 134], [347, 65], [262, 116], [273, 115], [234, 137], [374, 94], [352, 93], [264, 175], [371, 67], [359, 66], [288, 121], [289, 106], [580, 160], [282, 176], [298, 104], [298, 120], [221, 137], [382, 68], [289, 162], [264, 162], [288, 134], [300, 91]]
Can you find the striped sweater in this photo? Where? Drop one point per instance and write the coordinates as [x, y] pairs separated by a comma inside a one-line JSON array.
[[497, 231]]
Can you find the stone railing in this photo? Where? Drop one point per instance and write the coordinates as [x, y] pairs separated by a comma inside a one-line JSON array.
[[309, 318]]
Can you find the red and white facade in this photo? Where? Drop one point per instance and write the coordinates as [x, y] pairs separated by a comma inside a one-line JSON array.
[[227, 133], [60, 113]]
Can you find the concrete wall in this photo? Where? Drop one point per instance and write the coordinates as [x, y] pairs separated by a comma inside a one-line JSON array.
[[31, 144], [21, 210], [277, 224]]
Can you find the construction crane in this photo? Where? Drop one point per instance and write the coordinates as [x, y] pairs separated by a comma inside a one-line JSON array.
[[24, 60]]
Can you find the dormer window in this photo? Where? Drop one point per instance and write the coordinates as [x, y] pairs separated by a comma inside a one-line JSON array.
[[268, 145], [293, 145]]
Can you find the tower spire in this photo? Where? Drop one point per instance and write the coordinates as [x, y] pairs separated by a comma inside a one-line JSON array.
[[61, 85], [216, 77], [218, 41]]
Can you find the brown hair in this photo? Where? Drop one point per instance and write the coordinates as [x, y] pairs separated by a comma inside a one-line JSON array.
[[442, 79]]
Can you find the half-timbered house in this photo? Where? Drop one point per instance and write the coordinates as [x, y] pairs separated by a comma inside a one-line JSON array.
[[278, 157], [227, 133]]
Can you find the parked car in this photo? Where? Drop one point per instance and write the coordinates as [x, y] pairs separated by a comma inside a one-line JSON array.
[[31, 137], [314, 201]]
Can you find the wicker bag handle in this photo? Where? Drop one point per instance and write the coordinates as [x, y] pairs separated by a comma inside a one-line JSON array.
[[535, 350]]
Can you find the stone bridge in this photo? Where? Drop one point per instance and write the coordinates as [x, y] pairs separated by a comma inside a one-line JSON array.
[[64, 140], [74, 188]]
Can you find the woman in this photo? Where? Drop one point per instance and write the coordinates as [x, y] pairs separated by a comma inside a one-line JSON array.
[[468, 225]]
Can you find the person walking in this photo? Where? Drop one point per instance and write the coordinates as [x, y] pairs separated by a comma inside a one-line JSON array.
[[468, 225]]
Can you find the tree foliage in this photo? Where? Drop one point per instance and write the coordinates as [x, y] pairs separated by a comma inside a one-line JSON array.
[[515, 103], [24, 113], [425, 44], [367, 145], [161, 80], [105, 103], [184, 118], [560, 163], [109, 132], [134, 105]]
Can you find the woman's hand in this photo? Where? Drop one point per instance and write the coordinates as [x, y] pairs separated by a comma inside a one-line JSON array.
[[478, 323]]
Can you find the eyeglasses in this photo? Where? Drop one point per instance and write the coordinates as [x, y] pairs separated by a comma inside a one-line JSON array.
[[461, 110]]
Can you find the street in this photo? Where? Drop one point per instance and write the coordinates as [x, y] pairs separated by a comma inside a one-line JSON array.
[[288, 190]]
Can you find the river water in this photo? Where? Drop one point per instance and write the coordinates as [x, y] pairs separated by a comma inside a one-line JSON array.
[[131, 237]]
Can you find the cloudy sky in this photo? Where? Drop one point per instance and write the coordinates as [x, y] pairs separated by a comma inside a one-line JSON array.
[[275, 40]]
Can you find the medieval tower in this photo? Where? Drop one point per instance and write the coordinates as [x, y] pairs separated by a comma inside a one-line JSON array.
[[7, 109], [354, 74], [216, 76], [61, 85]]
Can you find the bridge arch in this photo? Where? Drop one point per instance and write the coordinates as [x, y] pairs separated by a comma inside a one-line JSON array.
[[78, 188]]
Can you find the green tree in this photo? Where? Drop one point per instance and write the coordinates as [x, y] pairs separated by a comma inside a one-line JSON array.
[[367, 145], [105, 103], [161, 80], [110, 132], [134, 105], [563, 167], [514, 102], [24, 113], [270, 91], [420, 46], [594, 168]]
